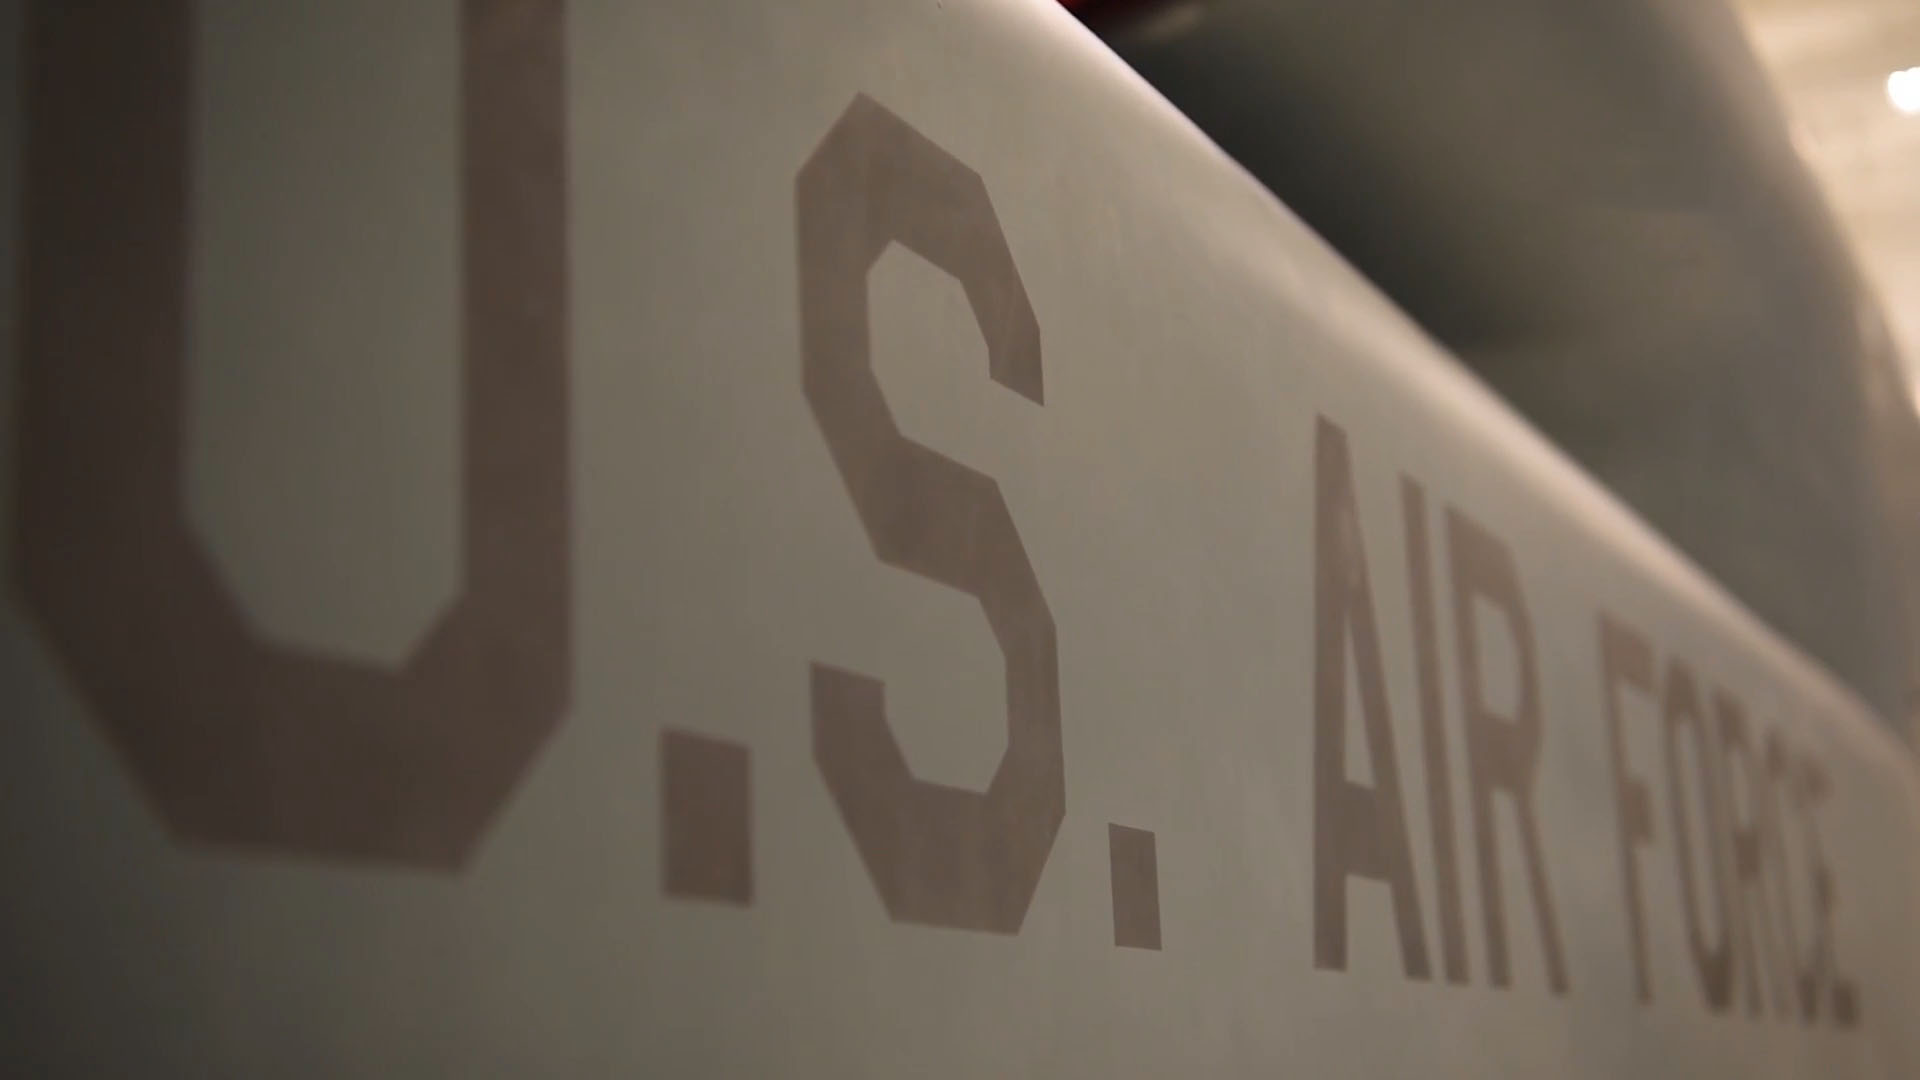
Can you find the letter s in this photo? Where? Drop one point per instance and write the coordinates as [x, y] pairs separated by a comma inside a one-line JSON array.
[[938, 855]]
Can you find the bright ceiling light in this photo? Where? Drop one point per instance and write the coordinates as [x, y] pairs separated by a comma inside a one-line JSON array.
[[1903, 89]]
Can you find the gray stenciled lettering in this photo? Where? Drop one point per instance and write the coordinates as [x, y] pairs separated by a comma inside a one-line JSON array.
[[1743, 789], [1819, 975], [1783, 797], [1627, 660], [237, 740], [706, 815], [1712, 960], [1357, 831], [1133, 864], [1433, 733], [1503, 753], [1808, 788], [938, 855]]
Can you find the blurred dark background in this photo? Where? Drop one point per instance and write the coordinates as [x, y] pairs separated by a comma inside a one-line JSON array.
[[1609, 213]]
